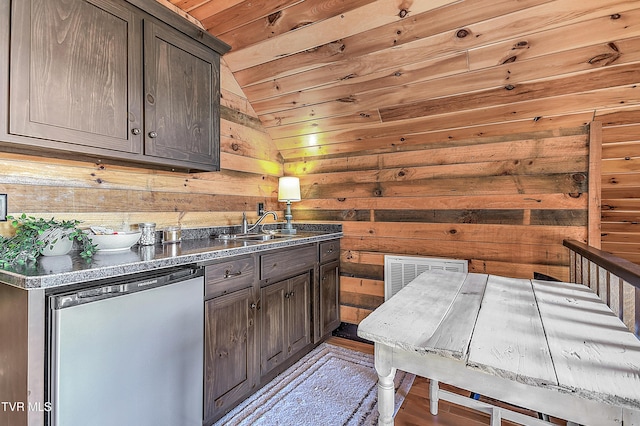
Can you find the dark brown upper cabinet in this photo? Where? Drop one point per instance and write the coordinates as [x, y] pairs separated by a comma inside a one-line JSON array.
[[107, 80], [182, 92]]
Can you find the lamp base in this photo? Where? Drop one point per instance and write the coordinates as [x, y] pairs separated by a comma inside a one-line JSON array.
[[288, 231]]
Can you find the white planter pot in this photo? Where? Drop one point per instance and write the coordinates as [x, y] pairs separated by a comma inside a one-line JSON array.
[[62, 244]]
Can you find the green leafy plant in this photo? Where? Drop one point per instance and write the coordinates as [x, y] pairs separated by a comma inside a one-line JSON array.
[[28, 242]]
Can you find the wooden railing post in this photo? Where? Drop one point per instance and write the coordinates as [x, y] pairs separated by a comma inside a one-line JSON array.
[[615, 280]]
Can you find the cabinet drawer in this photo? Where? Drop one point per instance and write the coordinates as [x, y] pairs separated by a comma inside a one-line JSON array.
[[287, 263], [227, 277], [329, 250]]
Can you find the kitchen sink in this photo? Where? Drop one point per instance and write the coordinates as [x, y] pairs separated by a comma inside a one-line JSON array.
[[252, 237]]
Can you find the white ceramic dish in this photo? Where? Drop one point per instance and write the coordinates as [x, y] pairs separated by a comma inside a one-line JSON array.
[[115, 242]]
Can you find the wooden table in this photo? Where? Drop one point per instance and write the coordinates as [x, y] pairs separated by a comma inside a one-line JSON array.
[[551, 347]]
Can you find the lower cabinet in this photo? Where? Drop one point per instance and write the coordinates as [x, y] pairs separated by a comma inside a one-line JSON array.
[[263, 312], [327, 291], [230, 351], [285, 320], [230, 341], [329, 299]]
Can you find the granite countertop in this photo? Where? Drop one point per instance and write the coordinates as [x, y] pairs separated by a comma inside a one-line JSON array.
[[198, 246]]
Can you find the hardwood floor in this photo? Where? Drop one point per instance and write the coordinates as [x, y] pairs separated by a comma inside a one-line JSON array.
[[415, 408]]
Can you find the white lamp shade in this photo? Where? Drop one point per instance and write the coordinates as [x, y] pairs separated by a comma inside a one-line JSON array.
[[289, 189]]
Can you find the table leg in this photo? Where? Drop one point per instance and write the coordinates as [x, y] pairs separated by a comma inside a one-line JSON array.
[[386, 387], [433, 397]]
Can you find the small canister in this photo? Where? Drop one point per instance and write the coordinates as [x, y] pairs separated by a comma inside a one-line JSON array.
[[171, 234], [148, 233]]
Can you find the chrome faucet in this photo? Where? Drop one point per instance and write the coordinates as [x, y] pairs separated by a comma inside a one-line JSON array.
[[245, 225]]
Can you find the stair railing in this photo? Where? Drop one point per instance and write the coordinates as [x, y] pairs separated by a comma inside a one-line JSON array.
[[615, 280]]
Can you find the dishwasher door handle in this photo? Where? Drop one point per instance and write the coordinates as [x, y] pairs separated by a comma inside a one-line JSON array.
[[101, 291]]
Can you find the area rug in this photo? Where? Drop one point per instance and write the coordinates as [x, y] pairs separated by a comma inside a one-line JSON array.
[[330, 386]]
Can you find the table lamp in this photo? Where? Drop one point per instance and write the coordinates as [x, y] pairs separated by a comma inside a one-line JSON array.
[[288, 191]]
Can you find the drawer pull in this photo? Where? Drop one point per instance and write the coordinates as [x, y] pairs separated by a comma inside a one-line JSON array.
[[229, 274]]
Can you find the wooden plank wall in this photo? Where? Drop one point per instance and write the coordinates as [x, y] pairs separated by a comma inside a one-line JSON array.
[[505, 201], [621, 183], [113, 195]]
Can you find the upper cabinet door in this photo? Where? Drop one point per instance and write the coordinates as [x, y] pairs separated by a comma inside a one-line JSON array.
[[74, 73], [182, 91]]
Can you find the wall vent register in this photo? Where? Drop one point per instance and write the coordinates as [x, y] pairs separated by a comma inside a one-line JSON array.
[[401, 270]]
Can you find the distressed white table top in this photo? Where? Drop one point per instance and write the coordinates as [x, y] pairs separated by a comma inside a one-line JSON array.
[[544, 334]]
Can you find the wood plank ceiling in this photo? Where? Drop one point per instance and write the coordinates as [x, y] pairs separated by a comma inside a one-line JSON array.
[[330, 77]]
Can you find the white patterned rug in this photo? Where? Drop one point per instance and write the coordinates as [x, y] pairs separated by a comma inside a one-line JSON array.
[[330, 386]]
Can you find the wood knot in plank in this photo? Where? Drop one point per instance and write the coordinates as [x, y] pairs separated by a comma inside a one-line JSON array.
[[377, 192], [330, 49], [616, 16], [349, 214], [348, 100], [403, 13], [235, 146], [510, 59], [578, 177], [509, 87], [521, 45], [575, 194], [604, 59], [462, 33], [342, 199], [273, 18]]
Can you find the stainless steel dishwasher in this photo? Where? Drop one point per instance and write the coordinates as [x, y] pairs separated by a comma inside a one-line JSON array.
[[129, 352]]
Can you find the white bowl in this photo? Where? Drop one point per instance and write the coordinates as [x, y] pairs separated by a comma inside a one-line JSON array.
[[112, 242]]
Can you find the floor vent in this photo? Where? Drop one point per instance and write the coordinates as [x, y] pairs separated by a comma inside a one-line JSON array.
[[400, 270]]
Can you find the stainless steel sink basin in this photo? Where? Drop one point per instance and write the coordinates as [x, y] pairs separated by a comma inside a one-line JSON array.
[[252, 237]]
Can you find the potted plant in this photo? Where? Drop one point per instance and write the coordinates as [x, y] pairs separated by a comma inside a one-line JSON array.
[[35, 236]]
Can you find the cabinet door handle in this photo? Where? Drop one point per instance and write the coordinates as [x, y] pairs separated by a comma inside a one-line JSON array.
[[135, 131], [229, 274], [153, 134]]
